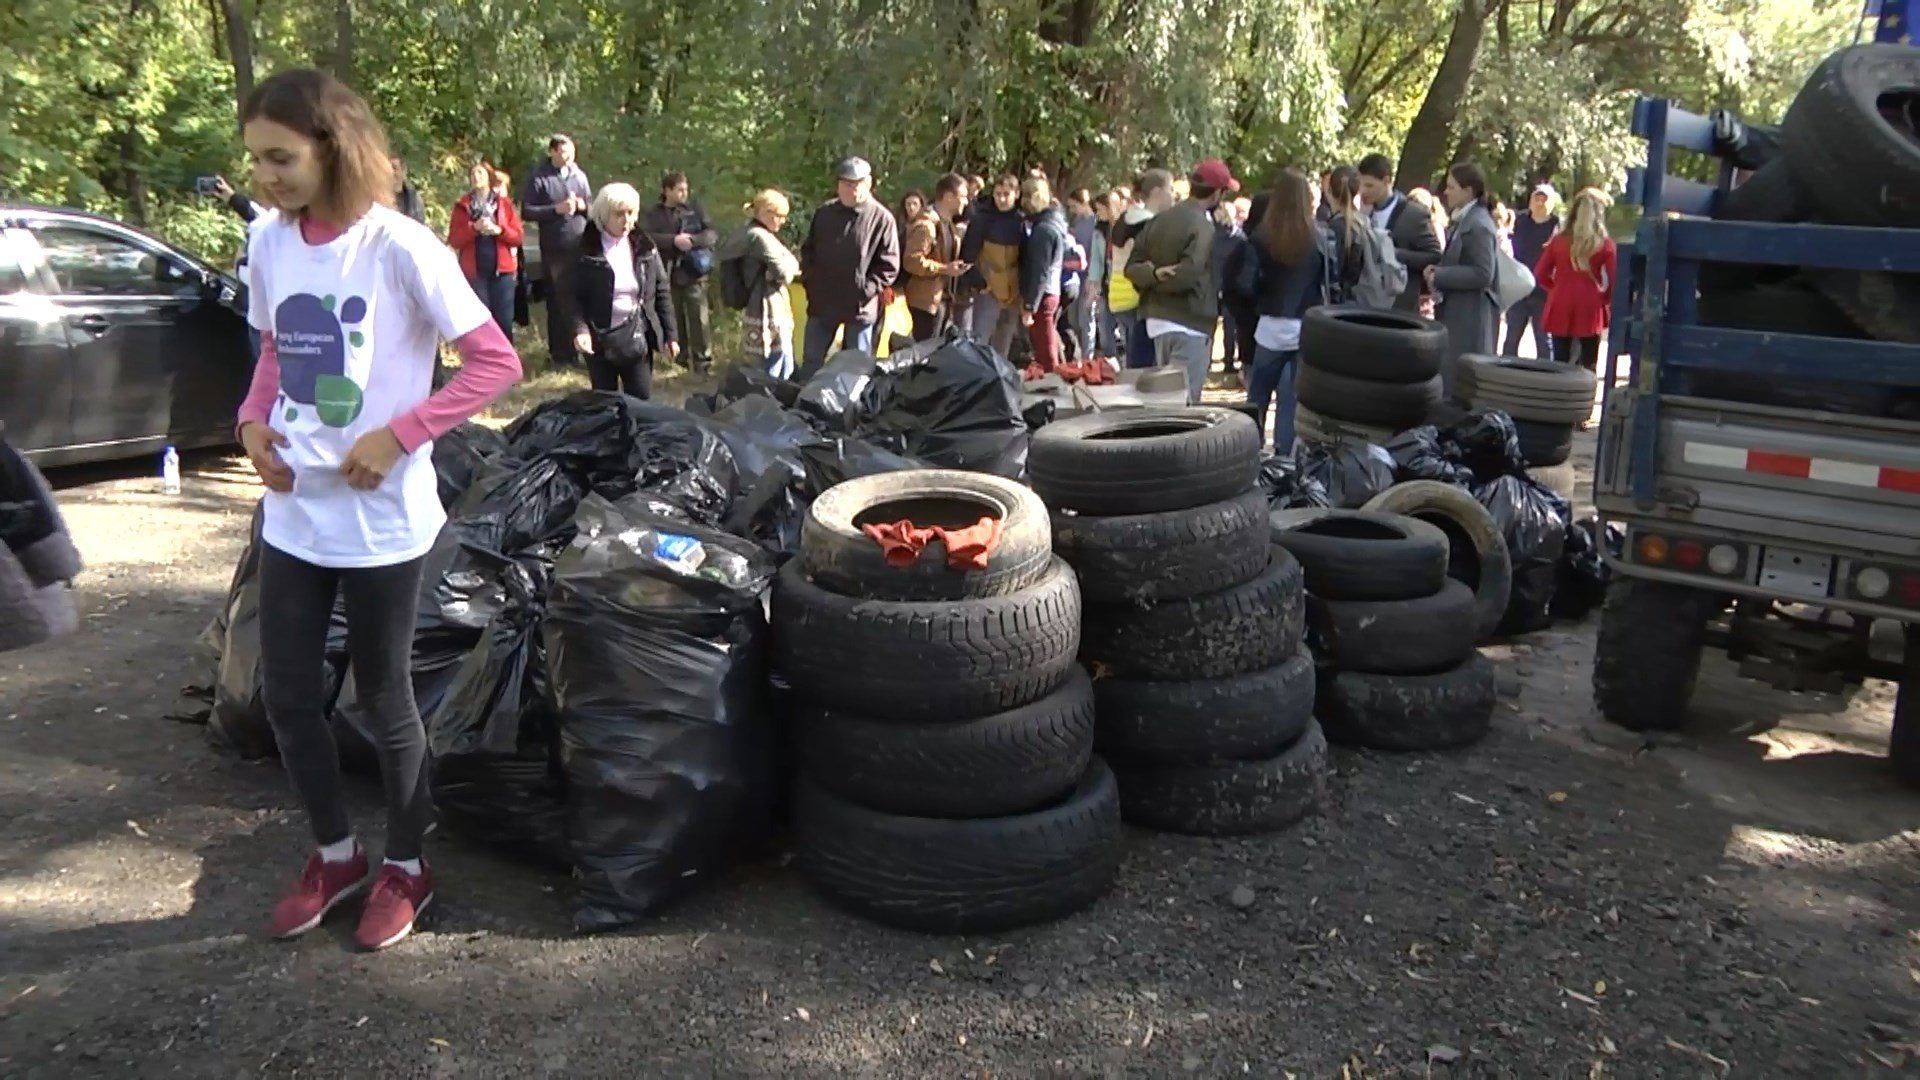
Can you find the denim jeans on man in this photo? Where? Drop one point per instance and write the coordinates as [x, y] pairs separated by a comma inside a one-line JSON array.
[[1270, 376], [819, 339], [995, 324]]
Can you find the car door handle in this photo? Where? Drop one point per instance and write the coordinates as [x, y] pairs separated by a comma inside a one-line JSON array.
[[93, 324]]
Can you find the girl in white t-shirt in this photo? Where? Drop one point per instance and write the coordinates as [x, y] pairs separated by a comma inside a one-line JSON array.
[[352, 300]]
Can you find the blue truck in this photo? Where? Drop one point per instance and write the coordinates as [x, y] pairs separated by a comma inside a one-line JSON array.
[[1765, 469]]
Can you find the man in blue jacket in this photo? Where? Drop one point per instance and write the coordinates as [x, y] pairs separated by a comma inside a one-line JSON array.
[[556, 198]]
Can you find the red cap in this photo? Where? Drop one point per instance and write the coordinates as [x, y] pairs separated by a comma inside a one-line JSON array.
[[1214, 174]]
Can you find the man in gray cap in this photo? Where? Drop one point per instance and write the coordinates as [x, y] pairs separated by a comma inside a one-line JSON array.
[[851, 254]]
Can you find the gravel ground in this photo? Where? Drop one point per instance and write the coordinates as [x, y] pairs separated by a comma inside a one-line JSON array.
[[1563, 900]]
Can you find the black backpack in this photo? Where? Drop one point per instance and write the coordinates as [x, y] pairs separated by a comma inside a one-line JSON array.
[[738, 277]]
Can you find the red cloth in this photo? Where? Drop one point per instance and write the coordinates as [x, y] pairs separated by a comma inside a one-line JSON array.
[[1092, 372], [461, 237], [967, 549], [1577, 303]]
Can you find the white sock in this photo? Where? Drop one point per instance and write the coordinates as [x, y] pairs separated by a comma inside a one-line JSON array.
[[338, 852], [411, 866]]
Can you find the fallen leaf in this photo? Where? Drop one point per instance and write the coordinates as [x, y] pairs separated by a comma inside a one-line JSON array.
[[934, 964], [1600, 986], [440, 1043], [1607, 1046], [803, 1014], [137, 830], [1557, 797]]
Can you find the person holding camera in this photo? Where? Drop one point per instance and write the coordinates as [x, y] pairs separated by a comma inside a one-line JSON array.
[[486, 233], [680, 229]]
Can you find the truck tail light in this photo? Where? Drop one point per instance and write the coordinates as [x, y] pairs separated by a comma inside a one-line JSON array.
[[1689, 554], [1724, 559], [1653, 549], [1908, 590]]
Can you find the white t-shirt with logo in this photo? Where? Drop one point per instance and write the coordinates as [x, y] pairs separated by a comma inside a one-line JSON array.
[[357, 324]]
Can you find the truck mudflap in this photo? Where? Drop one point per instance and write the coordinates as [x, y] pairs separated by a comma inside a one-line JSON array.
[[1769, 502]]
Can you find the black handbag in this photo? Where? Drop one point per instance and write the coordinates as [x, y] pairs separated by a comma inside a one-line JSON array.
[[623, 344]]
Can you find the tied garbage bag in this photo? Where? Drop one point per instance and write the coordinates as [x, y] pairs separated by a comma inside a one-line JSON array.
[[1534, 521], [459, 455], [831, 398], [954, 406], [743, 382], [766, 442], [1583, 573], [1486, 443], [514, 505], [1418, 455], [836, 462], [1288, 488], [614, 445], [656, 645], [1351, 472], [494, 734]]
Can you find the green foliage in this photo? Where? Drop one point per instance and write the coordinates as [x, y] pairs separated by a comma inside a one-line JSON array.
[[116, 105]]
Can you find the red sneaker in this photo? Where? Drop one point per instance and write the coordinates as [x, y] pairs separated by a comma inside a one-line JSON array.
[[398, 899], [321, 887]]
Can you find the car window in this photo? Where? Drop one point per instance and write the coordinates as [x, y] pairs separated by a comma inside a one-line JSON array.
[[89, 263], [13, 278]]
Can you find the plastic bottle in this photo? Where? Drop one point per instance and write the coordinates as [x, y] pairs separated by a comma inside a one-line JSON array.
[[170, 471]]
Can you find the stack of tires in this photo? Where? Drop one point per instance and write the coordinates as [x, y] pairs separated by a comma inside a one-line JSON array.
[[1193, 620], [1394, 635], [1545, 399], [944, 731], [1366, 373]]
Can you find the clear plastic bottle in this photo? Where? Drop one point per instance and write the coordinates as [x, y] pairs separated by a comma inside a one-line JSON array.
[[170, 471]]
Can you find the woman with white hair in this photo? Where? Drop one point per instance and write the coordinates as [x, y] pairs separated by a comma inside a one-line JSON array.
[[767, 265], [625, 304]]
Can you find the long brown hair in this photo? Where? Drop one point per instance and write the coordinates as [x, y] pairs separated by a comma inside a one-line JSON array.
[[357, 173], [1286, 228], [1343, 187], [1470, 176]]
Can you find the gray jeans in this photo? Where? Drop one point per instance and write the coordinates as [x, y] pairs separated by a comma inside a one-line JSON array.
[[994, 324], [1191, 353]]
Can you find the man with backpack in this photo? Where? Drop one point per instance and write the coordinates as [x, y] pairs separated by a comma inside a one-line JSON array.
[[679, 228], [1408, 224]]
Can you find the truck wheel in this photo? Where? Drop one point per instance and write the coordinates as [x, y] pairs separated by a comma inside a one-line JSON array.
[[1855, 117], [1903, 749], [1648, 654]]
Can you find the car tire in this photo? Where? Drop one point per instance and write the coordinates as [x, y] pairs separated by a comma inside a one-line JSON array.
[[1884, 305], [1144, 461], [1400, 712], [837, 556], [1311, 427], [925, 660], [949, 875], [1006, 763], [1169, 555], [1248, 628], [1534, 382], [1559, 479], [1233, 798], [1544, 444], [1392, 405], [1238, 718], [1646, 658], [1476, 551], [1836, 132], [1367, 343], [1355, 555], [1394, 637]]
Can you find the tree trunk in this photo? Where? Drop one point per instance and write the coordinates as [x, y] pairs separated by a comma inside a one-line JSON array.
[[343, 40], [1424, 154], [240, 50]]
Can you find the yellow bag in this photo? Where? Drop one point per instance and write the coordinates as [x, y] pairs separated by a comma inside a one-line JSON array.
[[1121, 295]]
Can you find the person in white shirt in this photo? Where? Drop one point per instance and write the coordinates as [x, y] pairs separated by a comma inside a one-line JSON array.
[[625, 301], [352, 300]]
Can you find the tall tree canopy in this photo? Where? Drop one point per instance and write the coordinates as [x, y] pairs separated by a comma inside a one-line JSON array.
[[116, 105]]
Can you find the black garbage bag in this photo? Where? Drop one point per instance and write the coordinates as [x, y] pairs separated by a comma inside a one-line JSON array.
[[614, 445], [1040, 413], [1418, 455], [831, 399], [954, 407], [1349, 471], [514, 505], [841, 460], [1486, 443], [1288, 488], [494, 733], [767, 442], [656, 645], [745, 381], [238, 719], [1534, 521], [1581, 583], [459, 455]]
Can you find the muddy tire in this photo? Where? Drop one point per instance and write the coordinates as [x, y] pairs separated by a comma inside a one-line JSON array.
[[1238, 718], [840, 558], [963, 876], [1388, 346], [1399, 712], [1846, 123], [925, 660], [1543, 445], [1647, 657], [1006, 763], [1395, 406], [1394, 637], [1476, 551], [1235, 798], [1310, 426], [1237, 631], [1172, 555], [1355, 555], [1144, 461]]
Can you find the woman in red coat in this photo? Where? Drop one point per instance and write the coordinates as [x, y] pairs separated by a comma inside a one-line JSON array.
[[485, 232], [1577, 270]]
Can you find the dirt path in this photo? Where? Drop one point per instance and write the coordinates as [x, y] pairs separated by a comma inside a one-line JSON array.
[[1563, 900]]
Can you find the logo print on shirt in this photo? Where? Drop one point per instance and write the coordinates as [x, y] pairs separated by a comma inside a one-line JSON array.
[[311, 341]]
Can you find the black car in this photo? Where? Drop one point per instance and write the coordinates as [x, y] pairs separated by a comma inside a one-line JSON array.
[[113, 343]]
